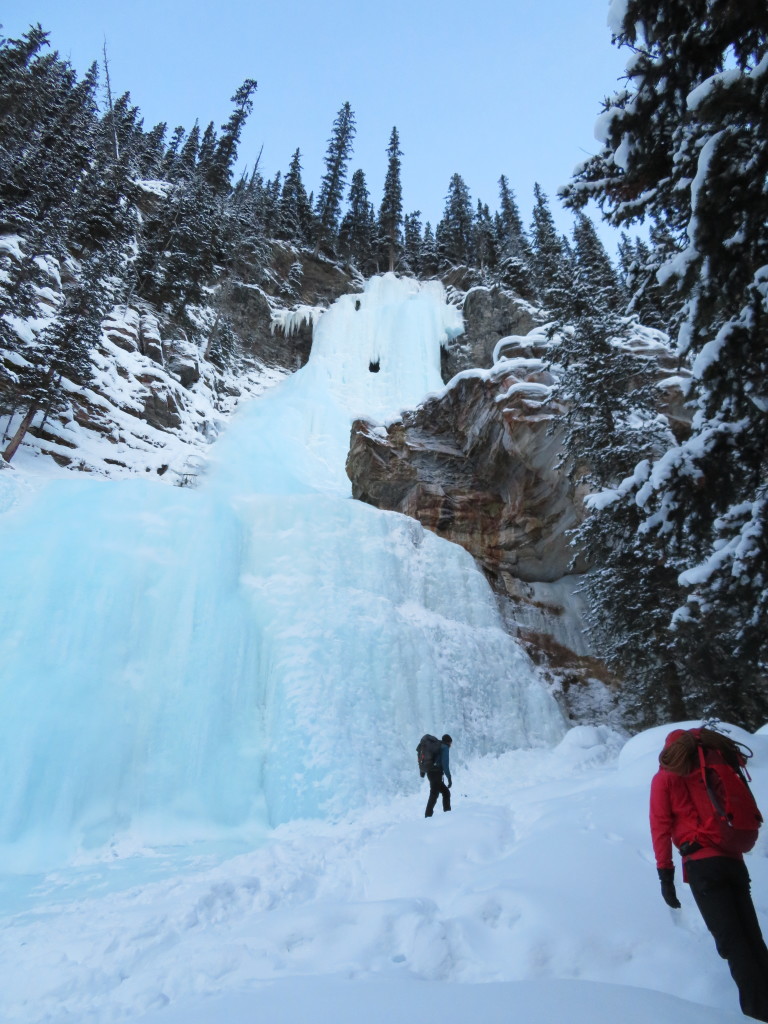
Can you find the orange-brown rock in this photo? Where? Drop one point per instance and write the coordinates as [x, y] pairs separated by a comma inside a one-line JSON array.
[[478, 465]]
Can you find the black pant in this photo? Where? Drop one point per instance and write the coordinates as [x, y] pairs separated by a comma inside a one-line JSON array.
[[720, 886], [437, 788]]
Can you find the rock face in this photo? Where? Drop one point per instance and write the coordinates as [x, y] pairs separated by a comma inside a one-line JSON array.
[[293, 279], [489, 315], [478, 465]]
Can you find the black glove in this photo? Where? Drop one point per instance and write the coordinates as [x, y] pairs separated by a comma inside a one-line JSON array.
[[422, 774], [667, 879], [450, 783]]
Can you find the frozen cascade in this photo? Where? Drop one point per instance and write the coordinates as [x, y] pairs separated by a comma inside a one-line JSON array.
[[179, 663]]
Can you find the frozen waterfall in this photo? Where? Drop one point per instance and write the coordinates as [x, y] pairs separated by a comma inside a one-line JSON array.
[[176, 663]]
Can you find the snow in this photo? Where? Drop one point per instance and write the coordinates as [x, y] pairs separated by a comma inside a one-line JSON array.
[[11, 246], [161, 189], [723, 79], [536, 898], [617, 12], [623, 154], [528, 391], [637, 479]]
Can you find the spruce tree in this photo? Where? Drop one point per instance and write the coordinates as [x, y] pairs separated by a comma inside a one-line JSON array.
[[271, 204], [168, 163], [358, 228], [610, 425], [687, 145], [206, 156], [332, 186], [639, 263], [512, 238], [484, 239], [152, 152], [62, 352], [412, 242], [225, 150], [185, 166], [514, 250], [594, 264], [549, 258], [454, 232], [429, 259], [391, 209], [295, 214]]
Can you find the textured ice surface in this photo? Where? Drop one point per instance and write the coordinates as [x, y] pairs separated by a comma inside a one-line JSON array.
[[180, 662]]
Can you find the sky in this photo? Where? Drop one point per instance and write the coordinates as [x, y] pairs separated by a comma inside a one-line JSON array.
[[493, 87]]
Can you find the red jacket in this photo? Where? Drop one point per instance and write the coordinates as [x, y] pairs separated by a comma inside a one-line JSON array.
[[674, 819]]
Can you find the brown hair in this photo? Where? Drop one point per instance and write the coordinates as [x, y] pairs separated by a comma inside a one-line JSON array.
[[680, 756]]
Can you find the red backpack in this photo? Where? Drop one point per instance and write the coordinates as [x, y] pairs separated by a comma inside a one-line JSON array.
[[724, 802]]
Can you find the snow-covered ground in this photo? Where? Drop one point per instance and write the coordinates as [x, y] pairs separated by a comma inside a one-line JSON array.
[[536, 899]]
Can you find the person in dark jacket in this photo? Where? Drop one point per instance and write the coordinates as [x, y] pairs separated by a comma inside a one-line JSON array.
[[718, 878], [435, 775]]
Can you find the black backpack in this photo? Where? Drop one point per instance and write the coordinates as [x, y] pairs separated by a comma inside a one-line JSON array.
[[429, 754]]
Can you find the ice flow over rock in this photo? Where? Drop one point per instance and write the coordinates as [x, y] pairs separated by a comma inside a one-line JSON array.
[[177, 663]]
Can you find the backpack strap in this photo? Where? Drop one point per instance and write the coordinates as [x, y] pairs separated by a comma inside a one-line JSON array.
[[719, 809]]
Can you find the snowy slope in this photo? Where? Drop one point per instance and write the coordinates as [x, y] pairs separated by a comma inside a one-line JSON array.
[[535, 899]]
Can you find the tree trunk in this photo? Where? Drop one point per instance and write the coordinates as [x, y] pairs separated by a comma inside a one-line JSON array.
[[18, 437], [8, 424]]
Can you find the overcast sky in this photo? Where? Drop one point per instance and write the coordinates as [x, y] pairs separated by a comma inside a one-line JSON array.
[[485, 88]]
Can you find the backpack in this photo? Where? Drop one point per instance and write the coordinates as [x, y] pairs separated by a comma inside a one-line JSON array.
[[724, 802], [429, 754]]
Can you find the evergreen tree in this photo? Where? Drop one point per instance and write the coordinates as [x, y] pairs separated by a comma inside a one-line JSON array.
[[391, 210], [412, 242], [484, 240], [168, 163], [549, 259], [593, 264], [454, 232], [332, 186], [47, 121], [223, 160], [206, 155], [611, 424], [429, 260], [511, 233], [358, 229], [63, 350], [638, 264], [514, 250], [248, 248], [295, 217], [152, 152], [185, 165], [687, 145], [271, 205]]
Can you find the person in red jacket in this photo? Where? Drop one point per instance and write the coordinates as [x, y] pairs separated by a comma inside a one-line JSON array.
[[717, 876]]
